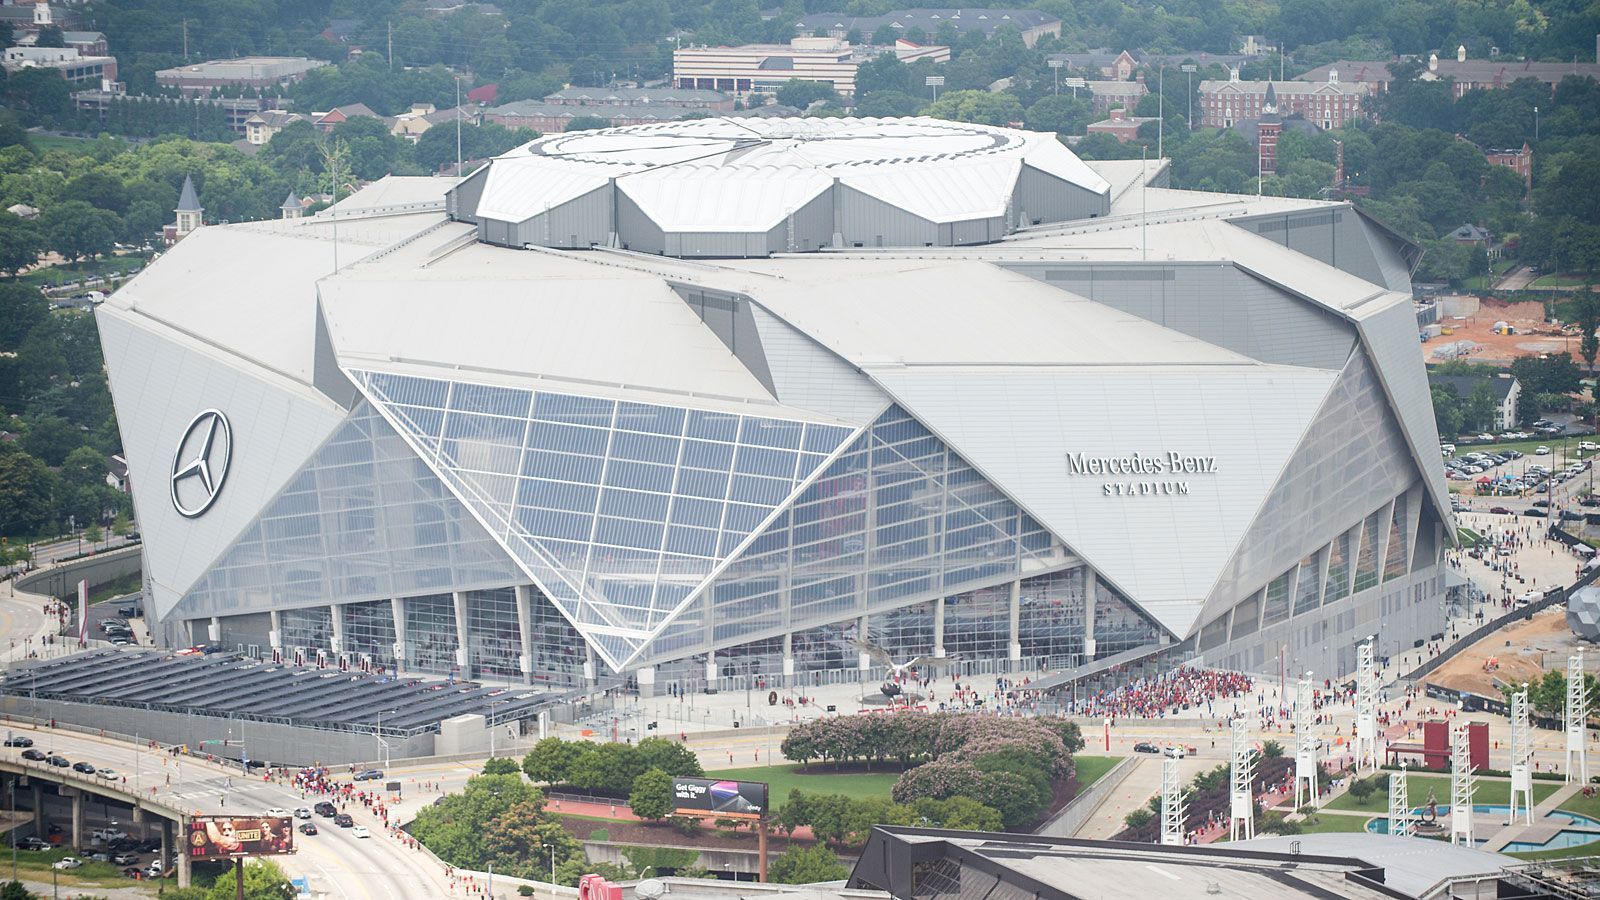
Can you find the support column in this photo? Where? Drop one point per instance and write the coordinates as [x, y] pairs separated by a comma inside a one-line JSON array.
[[1014, 620], [214, 629], [525, 630], [275, 636], [711, 670], [788, 659], [938, 626], [463, 652], [336, 618], [589, 674], [863, 660], [75, 836], [41, 825], [647, 682], [398, 605], [1091, 590]]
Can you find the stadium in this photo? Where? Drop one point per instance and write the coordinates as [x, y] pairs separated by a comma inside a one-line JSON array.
[[718, 398]]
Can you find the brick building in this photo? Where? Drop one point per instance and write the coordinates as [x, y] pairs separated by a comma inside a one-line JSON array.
[[1329, 104]]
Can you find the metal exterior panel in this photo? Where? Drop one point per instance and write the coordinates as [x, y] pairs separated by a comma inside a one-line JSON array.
[[462, 200], [866, 221], [643, 234], [807, 375], [160, 380], [576, 224], [1042, 197], [1022, 429], [1390, 336]]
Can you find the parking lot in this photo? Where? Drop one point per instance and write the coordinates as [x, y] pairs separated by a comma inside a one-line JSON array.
[[1547, 481]]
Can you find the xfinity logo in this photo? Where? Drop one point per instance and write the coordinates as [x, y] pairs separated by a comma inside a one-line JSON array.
[[200, 464], [1136, 464]]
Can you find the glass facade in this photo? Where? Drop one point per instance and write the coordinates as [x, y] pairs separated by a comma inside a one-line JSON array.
[[1308, 585], [369, 630], [620, 509], [1338, 585], [1277, 605], [1396, 554], [1118, 624], [897, 516], [1051, 618], [977, 624], [431, 639], [1367, 561], [494, 638], [365, 519], [558, 650], [310, 628], [906, 632], [1247, 616]]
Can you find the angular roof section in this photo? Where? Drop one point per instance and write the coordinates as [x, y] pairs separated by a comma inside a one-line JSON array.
[[188, 201]]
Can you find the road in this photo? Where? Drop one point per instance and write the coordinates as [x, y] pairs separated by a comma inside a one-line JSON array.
[[336, 863]]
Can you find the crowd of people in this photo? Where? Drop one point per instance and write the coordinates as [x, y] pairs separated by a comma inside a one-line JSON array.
[[1166, 694]]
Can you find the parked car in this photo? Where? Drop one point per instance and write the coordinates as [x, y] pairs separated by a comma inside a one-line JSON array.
[[126, 859], [1571, 515], [302, 813], [1174, 752], [1541, 503], [1541, 450], [33, 843], [1534, 513], [308, 828], [67, 862], [108, 834], [1146, 747], [1499, 510]]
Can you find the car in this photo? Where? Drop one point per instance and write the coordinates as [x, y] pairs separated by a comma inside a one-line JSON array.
[[35, 755], [277, 811], [19, 741], [361, 831], [1447, 449], [59, 761], [367, 775], [1590, 500], [126, 859], [1485, 437], [1456, 475], [325, 809], [129, 612], [108, 834], [302, 813], [1541, 450], [33, 843], [1499, 511], [1541, 503], [1146, 747], [99, 856], [1534, 513], [121, 642], [1174, 752], [83, 767], [154, 870], [1588, 446], [308, 828], [343, 820], [1571, 515], [66, 862]]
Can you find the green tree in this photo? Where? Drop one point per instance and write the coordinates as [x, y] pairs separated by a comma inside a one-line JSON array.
[[981, 107], [1588, 309], [1446, 411], [263, 880], [551, 760], [26, 487], [1478, 411], [888, 104], [22, 308], [521, 841], [52, 439], [13, 890], [374, 152], [77, 230], [799, 865], [20, 245], [1063, 114], [669, 756], [801, 94], [50, 36], [121, 526], [651, 797], [1138, 818], [501, 765]]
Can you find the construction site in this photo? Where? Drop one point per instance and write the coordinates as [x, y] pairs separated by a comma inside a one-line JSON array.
[[1484, 330]]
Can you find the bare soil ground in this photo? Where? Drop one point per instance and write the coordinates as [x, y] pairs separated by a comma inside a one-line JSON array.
[[1525, 650], [1524, 318]]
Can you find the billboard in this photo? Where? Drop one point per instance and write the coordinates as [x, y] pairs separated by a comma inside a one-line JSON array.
[[725, 799], [224, 837]]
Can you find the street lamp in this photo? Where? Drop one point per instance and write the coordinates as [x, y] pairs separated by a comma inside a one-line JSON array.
[[1055, 71], [1188, 93]]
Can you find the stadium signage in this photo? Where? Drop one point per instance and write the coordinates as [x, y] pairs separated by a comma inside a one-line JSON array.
[[1171, 462], [200, 463], [724, 799]]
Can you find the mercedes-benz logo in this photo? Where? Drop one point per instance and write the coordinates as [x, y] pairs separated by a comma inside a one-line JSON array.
[[200, 464]]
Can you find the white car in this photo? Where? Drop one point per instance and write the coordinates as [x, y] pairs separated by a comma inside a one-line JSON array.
[[302, 813], [66, 862], [108, 774], [361, 831], [108, 834], [1541, 450], [277, 811], [1588, 445]]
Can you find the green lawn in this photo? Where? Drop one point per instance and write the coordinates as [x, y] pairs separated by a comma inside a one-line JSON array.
[[44, 143], [90, 874], [1327, 823], [1586, 806], [1468, 537], [1092, 768], [782, 780], [1418, 786], [1556, 281]]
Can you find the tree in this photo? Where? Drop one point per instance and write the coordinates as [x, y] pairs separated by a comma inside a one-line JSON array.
[[121, 526], [801, 94], [669, 756], [981, 107], [1479, 409], [263, 880], [50, 36], [374, 152], [1588, 322], [800, 865], [888, 104], [1362, 789], [1446, 411], [22, 308], [26, 487], [586, 123], [501, 765], [551, 760], [77, 230], [14, 890], [20, 244], [1138, 818], [651, 797], [521, 841], [1062, 114]]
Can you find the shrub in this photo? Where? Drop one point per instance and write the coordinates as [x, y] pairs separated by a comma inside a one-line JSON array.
[[1139, 818], [501, 765], [1362, 789]]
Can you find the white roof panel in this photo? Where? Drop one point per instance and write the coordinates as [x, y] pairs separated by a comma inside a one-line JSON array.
[[714, 198]]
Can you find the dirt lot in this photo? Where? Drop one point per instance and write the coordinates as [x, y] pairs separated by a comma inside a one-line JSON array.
[[1525, 650], [1489, 347]]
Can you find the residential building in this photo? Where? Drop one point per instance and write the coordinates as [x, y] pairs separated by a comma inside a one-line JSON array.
[[1327, 104], [117, 473], [326, 121], [1120, 125], [1004, 417], [88, 43], [1350, 71], [1103, 95], [1118, 66], [687, 98], [190, 215], [245, 72], [1518, 161], [1494, 74], [1031, 23], [73, 66], [260, 128], [293, 207], [763, 68], [1505, 388]]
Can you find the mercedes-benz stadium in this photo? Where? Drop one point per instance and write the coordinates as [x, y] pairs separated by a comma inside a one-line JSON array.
[[723, 397]]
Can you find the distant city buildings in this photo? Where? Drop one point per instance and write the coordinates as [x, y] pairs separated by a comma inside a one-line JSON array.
[[1120, 125], [1352, 71], [685, 98], [1518, 161], [1495, 74], [1032, 24], [247, 72], [1104, 95], [261, 127], [763, 68], [1329, 104], [74, 66], [543, 116]]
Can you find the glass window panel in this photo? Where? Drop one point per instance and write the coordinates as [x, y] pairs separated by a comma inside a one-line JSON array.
[[557, 495], [1308, 586], [1396, 554], [645, 448], [649, 417], [713, 425], [1367, 561], [824, 439], [708, 455], [639, 476], [692, 541], [573, 410], [701, 513], [628, 533], [1276, 608], [750, 489], [1338, 584], [1247, 616], [567, 438], [634, 504], [771, 433], [496, 401], [761, 461], [694, 483]]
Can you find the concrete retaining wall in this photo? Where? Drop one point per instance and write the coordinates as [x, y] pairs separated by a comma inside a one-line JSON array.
[[61, 580], [1083, 807]]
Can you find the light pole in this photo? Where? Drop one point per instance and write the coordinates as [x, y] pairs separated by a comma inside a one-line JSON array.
[[1188, 94], [1536, 124], [1055, 72]]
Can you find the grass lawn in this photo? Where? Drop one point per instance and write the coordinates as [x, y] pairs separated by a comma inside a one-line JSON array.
[[90, 874], [47, 142], [1417, 788], [1328, 823], [1468, 537], [64, 274], [782, 780], [1556, 281], [1092, 768], [1587, 806], [127, 584], [1476, 283]]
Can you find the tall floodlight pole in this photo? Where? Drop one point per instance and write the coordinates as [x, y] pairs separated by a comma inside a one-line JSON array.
[[1171, 803], [1242, 811], [1399, 804], [1366, 745], [1161, 112], [1188, 94], [1055, 71], [1462, 784], [1521, 754], [1305, 757], [1577, 716]]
